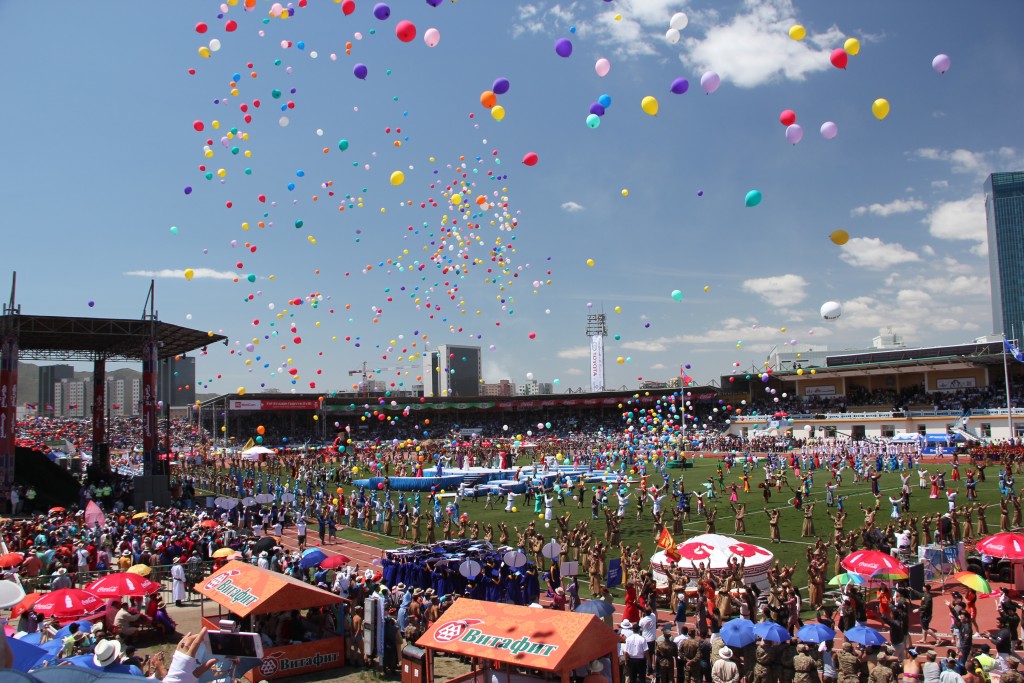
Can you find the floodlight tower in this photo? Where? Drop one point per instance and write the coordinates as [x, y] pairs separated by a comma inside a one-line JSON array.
[[597, 330]]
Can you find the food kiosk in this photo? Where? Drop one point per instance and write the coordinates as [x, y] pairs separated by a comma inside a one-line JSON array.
[[242, 591], [513, 644]]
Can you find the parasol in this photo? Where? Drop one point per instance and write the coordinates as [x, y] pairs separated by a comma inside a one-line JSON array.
[[335, 561], [738, 633], [769, 630], [865, 635], [10, 560], [67, 603], [140, 569], [815, 633], [599, 608], [122, 583], [969, 579], [311, 557], [223, 552], [1006, 545]]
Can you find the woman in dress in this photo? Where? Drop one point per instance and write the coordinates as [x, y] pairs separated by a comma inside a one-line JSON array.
[[934, 493]]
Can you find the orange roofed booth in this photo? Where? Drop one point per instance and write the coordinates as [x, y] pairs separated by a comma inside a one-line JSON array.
[[513, 644], [253, 597]]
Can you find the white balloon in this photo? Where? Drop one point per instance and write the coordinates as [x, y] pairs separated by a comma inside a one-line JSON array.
[[672, 36], [679, 21], [529, 375], [831, 310]]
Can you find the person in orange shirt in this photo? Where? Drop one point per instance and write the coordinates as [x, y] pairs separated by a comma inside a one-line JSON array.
[[883, 604]]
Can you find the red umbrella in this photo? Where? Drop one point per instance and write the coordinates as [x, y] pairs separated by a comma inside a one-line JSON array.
[[57, 509], [122, 583], [335, 561], [209, 523], [872, 562], [11, 560], [1006, 545], [25, 603], [67, 603]]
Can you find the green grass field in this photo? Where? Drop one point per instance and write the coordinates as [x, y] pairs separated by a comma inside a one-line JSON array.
[[791, 550]]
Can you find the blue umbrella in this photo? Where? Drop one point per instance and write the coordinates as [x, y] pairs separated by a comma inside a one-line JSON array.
[[738, 633], [83, 625], [769, 630], [815, 633], [599, 608], [865, 635], [26, 655], [311, 557]]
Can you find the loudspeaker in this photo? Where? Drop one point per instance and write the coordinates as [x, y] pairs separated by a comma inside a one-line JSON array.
[[916, 572]]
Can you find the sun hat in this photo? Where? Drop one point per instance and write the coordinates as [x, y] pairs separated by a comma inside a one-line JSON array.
[[106, 652], [725, 653]]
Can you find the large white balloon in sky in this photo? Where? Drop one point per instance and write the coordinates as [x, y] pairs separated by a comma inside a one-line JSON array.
[[831, 310]]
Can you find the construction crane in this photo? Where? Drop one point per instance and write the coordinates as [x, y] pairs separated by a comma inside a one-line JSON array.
[[366, 372]]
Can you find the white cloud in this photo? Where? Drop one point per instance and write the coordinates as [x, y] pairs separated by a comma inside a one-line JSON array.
[[779, 290], [652, 346], [978, 164], [575, 352], [962, 219], [753, 47], [572, 207], [573, 371], [872, 252], [658, 366], [896, 206], [200, 273]]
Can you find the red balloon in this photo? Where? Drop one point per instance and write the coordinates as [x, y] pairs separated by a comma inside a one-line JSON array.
[[406, 31], [348, 7], [200, 27], [198, 125], [231, 25], [839, 58], [787, 118], [530, 159]]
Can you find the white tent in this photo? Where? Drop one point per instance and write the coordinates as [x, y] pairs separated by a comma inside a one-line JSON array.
[[255, 452]]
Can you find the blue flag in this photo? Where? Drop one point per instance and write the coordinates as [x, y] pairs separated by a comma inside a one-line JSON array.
[[1009, 348]]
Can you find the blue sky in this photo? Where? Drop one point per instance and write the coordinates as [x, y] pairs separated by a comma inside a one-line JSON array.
[[99, 147]]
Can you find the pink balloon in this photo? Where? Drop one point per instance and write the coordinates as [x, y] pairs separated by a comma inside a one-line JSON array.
[[941, 63], [794, 133], [431, 37], [602, 67], [710, 81], [829, 130]]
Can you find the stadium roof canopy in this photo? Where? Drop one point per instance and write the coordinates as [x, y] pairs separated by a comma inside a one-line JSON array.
[[54, 338]]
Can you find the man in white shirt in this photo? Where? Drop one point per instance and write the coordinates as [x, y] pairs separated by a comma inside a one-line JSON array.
[[649, 630], [300, 532], [635, 649]]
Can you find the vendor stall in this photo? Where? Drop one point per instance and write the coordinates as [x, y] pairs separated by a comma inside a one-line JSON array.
[[512, 644], [715, 551], [254, 598]]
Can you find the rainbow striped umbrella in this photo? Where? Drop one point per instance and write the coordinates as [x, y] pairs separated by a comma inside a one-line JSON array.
[[973, 581]]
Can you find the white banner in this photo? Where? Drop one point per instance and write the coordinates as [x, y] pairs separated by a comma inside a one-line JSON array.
[[824, 390], [244, 405], [597, 363], [954, 383]]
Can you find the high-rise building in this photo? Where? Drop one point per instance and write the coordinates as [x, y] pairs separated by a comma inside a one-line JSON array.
[[503, 387], [1004, 211], [176, 381], [49, 377], [452, 371], [532, 387]]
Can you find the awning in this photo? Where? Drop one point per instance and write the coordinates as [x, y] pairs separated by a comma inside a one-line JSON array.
[[244, 589], [544, 639]]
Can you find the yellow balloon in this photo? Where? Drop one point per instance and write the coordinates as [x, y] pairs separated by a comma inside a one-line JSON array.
[[204, 52], [839, 237], [880, 108], [189, 273], [797, 32], [800, 371], [241, 391], [852, 46], [707, 289], [650, 105], [397, 178], [515, 509], [497, 112], [618, 309], [590, 262], [456, 199], [625, 192]]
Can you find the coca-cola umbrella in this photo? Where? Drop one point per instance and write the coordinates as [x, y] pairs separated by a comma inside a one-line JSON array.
[[874, 564], [67, 603], [335, 561], [122, 583], [1006, 545]]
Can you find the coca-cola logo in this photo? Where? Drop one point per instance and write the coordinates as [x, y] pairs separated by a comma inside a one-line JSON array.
[[453, 630]]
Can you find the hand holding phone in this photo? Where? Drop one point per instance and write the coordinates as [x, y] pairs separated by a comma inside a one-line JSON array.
[[231, 644]]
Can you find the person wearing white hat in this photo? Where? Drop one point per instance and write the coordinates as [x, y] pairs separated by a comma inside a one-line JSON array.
[[178, 582], [725, 670]]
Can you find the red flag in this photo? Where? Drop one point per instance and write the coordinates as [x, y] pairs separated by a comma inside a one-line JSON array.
[[666, 541]]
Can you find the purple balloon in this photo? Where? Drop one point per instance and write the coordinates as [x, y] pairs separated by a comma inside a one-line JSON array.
[[829, 130], [680, 85], [381, 11], [434, 3], [941, 63], [597, 108], [794, 133], [360, 71], [188, 189], [563, 47], [710, 81], [500, 87]]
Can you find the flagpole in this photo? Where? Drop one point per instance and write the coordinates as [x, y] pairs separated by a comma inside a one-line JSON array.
[[1006, 380]]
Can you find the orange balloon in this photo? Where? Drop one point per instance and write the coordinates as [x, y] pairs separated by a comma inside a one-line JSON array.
[[488, 99], [261, 430], [481, 200]]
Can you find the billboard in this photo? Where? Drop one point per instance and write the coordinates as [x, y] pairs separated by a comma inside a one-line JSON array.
[[597, 363]]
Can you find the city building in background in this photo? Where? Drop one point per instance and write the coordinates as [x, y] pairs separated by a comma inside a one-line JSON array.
[[452, 370], [1004, 211], [502, 387], [49, 377], [534, 388], [176, 381]]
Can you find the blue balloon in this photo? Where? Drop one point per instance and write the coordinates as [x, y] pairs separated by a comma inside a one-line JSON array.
[[605, 100]]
